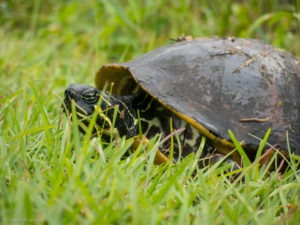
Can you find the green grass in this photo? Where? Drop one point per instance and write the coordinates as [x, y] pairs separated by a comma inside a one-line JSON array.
[[50, 174]]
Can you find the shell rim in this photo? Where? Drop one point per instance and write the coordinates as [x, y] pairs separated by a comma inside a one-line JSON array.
[[222, 145]]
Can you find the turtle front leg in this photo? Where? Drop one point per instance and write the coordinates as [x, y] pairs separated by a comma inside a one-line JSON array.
[[160, 158]]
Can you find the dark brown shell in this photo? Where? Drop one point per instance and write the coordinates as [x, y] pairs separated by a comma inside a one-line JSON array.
[[220, 84]]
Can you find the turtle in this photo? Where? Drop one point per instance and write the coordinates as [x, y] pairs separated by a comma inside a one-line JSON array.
[[199, 89]]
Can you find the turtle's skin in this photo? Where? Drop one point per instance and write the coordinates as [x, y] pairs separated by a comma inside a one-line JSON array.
[[205, 86]]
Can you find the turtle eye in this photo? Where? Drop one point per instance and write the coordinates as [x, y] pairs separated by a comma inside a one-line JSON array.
[[90, 96]]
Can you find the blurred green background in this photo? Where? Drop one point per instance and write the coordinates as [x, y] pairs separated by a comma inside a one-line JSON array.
[[40, 37]]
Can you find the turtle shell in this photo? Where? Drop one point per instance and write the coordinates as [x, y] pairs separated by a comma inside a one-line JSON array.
[[218, 85]]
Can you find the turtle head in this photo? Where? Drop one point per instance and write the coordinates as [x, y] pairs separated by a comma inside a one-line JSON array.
[[85, 98], [115, 114]]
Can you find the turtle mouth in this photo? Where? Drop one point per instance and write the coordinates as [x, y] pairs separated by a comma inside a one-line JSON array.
[[67, 106], [81, 114], [85, 118]]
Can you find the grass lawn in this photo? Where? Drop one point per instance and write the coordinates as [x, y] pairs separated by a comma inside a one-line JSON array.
[[51, 174]]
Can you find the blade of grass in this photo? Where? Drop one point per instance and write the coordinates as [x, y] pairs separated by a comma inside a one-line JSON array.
[[245, 158]]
